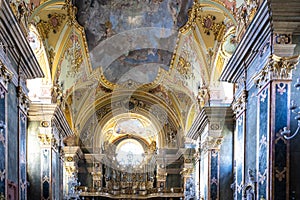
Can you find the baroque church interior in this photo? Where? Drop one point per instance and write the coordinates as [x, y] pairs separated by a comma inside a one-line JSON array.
[[149, 99]]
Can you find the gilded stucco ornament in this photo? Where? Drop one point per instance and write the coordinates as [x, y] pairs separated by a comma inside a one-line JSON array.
[[57, 93], [210, 143], [21, 11], [53, 23], [5, 77], [208, 23], [211, 27], [74, 55], [184, 68], [276, 68], [245, 14], [46, 139], [282, 38], [24, 100], [71, 12], [51, 55], [203, 95], [239, 105]]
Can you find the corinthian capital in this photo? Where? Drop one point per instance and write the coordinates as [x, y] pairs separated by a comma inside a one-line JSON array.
[[239, 105], [277, 68], [5, 75]]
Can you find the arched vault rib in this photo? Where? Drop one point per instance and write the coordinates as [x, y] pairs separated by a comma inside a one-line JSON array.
[[114, 104]]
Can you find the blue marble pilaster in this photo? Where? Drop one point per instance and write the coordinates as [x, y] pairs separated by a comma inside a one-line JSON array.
[[2, 145], [263, 143], [214, 174], [239, 156], [46, 173], [279, 144], [22, 158], [54, 174]]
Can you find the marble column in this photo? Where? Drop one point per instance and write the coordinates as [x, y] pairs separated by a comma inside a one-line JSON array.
[[5, 77], [274, 82]]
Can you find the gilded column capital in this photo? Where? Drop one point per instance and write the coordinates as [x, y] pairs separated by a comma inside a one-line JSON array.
[[186, 172], [5, 77], [47, 140], [239, 104], [24, 101], [276, 68], [211, 143], [71, 169]]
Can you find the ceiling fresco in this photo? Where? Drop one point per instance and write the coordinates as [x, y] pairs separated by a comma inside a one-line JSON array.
[[104, 18], [129, 39], [139, 65]]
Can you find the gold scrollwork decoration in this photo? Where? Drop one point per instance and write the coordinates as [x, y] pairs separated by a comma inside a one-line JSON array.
[[276, 68], [184, 67], [210, 26], [53, 23]]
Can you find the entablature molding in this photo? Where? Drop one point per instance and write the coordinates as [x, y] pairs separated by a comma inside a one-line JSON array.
[[283, 45], [73, 153], [211, 119], [259, 28], [52, 116], [19, 48]]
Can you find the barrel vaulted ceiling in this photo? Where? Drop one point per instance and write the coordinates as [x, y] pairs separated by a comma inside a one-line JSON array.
[[151, 64]]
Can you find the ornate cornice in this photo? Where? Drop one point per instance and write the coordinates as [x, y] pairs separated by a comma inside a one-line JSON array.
[[73, 153], [212, 118], [261, 23], [277, 68], [60, 122], [21, 53], [131, 84]]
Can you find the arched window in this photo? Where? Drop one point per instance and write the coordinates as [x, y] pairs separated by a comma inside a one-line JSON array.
[[130, 153]]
